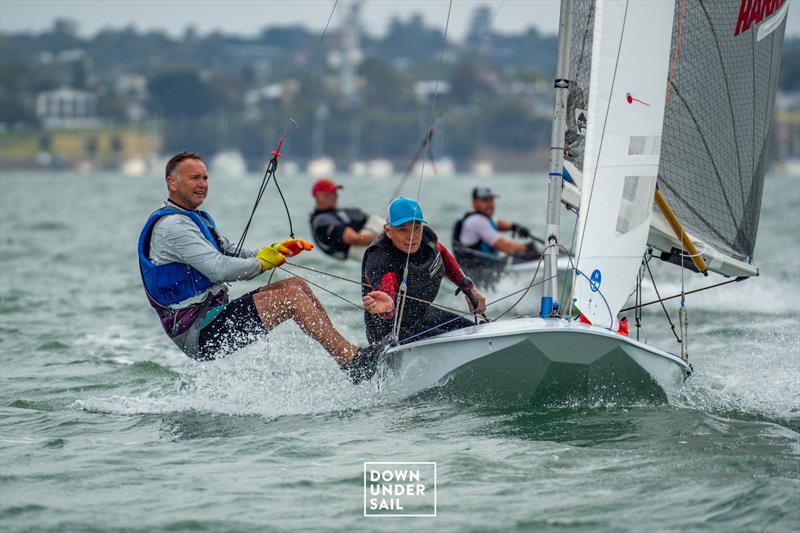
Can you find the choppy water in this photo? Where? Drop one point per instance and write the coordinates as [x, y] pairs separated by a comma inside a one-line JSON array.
[[106, 425]]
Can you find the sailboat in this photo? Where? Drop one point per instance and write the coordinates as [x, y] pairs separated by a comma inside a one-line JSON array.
[[663, 109]]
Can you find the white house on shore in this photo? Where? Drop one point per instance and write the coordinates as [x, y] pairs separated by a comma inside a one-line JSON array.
[[67, 108]]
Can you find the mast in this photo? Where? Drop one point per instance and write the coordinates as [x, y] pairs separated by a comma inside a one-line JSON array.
[[550, 305]]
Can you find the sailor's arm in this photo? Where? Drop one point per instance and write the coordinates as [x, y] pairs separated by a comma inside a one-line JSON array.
[[380, 301], [519, 229], [177, 239], [452, 270], [504, 225], [353, 238], [475, 300], [229, 248], [509, 247], [491, 236]]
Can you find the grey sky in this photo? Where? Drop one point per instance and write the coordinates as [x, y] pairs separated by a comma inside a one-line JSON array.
[[249, 16]]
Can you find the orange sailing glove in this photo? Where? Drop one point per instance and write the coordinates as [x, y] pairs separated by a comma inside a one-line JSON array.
[[292, 247], [271, 257]]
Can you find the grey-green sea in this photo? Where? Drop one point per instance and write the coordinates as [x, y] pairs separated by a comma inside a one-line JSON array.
[[107, 426]]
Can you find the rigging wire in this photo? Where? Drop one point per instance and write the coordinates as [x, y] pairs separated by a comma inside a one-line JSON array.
[[269, 174], [660, 300], [637, 315], [272, 166], [683, 321], [532, 284], [459, 312], [362, 284], [462, 315], [285, 206], [402, 292], [422, 146], [655, 287], [600, 150], [319, 286], [569, 254]]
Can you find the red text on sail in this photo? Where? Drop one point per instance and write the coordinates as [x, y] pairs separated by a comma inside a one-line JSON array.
[[753, 11]]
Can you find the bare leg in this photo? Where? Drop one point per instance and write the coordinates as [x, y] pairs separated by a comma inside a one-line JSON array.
[[292, 298]]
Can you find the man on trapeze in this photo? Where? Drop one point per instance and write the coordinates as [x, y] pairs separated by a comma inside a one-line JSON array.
[[340, 232], [408, 239], [186, 264]]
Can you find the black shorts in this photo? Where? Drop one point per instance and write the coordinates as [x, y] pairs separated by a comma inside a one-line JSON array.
[[236, 326]]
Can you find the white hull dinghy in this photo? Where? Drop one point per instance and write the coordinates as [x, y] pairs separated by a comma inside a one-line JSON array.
[[535, 360], [659, 167]]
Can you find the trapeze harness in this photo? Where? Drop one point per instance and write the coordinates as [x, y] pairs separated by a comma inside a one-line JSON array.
[[481, 245], [173, 283], [325, 229]]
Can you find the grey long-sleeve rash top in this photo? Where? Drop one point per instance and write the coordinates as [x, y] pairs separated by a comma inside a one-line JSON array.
[[177, 239]]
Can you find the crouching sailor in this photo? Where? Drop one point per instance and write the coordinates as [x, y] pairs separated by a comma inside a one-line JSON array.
[[186, 265], [408, 239]]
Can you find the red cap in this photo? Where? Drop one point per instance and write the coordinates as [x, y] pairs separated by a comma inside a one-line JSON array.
[[324, 185]]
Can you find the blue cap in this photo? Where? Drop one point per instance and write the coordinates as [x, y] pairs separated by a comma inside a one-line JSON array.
[[403, 210]]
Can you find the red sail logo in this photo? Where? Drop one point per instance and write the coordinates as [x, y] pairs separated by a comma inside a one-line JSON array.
[[753, 11]]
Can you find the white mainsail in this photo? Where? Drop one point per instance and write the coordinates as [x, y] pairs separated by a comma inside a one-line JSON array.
[[630, 62]]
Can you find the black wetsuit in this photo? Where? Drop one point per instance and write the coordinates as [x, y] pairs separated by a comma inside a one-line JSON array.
[[382, 269], [328, 225]]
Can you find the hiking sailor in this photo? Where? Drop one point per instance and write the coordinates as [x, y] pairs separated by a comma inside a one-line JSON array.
[[186, 264]]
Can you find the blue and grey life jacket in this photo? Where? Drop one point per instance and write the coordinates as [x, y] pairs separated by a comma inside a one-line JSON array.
[[481, 245], [172, 283]]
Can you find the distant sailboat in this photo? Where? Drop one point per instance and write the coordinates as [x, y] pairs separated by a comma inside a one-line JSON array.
[[228, 163], [321, 167], [665, 100]]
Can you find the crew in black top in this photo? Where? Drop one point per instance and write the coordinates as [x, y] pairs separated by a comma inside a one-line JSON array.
[[335, 230]]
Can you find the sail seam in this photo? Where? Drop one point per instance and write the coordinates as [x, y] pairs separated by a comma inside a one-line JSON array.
[[728, 95], [753, 70], [709, 152]]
